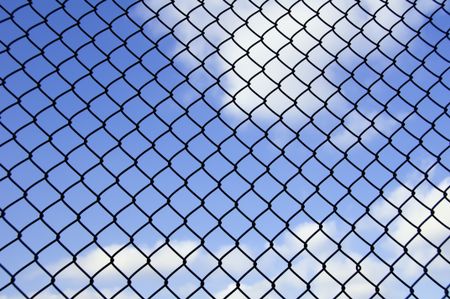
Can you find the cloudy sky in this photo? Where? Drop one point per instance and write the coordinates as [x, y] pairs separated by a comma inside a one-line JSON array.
[[213, 149]]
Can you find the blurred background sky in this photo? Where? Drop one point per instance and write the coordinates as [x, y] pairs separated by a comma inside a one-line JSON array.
[[201, 130]]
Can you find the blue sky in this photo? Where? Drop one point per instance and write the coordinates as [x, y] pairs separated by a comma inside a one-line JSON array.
[[240, 117]]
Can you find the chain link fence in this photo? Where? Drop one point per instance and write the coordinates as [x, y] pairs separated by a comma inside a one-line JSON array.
[[224, 149]]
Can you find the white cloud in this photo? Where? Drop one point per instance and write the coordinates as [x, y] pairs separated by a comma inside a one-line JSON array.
[[416, 213], [47, 295], [272, 52], [309, 268], [343, 267], [236, 261], [86, 294], [359, 126], [128, 260], [256, 290], [307, 262]]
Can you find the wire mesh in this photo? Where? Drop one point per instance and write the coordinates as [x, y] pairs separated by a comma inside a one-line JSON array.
[[224, 149]]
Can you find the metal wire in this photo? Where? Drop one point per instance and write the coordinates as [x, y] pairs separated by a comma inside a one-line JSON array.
[[135, 141]]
